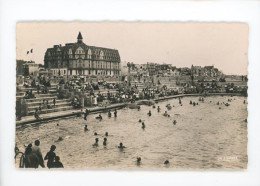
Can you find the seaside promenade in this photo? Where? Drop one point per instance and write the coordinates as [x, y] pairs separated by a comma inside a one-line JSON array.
[[77, 112]]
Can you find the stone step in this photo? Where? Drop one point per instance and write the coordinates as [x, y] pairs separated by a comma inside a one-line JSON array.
[[45, 95], [37, 102], [58, 105], [34, 90], [26, 89], [18, 97], [40, 99], [59, 109], [20, 93]]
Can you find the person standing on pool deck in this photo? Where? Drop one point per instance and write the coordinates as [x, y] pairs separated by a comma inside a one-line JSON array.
[[86, 114], [50, 157], [36, 115]]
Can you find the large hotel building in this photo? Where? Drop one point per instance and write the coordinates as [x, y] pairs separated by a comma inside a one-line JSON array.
[[81, 59]]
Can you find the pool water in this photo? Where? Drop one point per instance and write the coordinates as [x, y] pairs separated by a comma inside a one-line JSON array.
[[205, 136]]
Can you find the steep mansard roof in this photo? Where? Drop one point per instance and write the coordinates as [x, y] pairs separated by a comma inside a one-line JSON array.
[[95, 51]]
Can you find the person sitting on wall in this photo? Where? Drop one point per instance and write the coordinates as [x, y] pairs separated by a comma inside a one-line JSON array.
[[38, 89], [75, 103]]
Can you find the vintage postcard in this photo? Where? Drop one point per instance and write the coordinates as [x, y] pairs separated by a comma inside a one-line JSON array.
[[142, 95]]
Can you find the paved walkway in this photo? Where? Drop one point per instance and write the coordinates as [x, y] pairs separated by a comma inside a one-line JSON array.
[[67, 113]]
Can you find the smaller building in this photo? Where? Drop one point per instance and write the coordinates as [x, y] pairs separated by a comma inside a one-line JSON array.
[[26, 68], [30, 68]]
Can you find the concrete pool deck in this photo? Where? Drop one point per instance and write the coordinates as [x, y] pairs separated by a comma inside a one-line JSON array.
[[77, 112]]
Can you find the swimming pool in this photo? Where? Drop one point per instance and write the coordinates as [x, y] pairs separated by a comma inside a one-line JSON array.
[[204, 136]]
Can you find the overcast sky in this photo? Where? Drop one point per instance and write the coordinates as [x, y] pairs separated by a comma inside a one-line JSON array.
[[223, 45]]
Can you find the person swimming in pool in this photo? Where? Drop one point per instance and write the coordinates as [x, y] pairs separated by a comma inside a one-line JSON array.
[[109, 114], [50, 156], [166, 114], [99, 117], [59, 139], [105, 142], [180, 101], [86, 128], [96, 143], [166, 162], [121, 146], [115, 113], [138, 160], [143, 125]]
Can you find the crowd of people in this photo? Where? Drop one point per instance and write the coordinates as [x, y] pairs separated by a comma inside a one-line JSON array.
[[102, 92], [33, 157]]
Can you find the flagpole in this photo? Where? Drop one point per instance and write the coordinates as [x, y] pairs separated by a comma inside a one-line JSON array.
[[33, 55]]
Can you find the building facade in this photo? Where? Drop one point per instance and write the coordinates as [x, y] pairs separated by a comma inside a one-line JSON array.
[[26, 68], [81, 59]]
